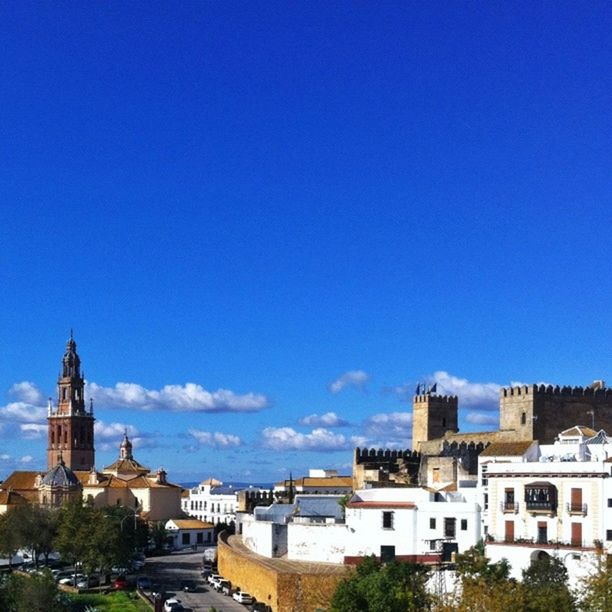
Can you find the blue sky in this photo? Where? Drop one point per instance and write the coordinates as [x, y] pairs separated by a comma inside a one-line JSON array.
[[253, 213]]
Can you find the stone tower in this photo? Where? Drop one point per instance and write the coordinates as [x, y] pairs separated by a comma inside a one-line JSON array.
[[71, 425], [540, 412], [432, 416]]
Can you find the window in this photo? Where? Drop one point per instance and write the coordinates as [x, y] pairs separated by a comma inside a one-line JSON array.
[[200, 538], [449, 527], [436, 475], [609, 535], [186, 538], [443, 422], [486, 501], [432, 545], [432, 523], [387, 553], [387, 520], [523, 418], [463, 524], [609, 502]]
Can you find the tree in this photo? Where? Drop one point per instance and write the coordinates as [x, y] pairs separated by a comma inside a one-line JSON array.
[[596, 592], [36, 529], [545, 586], [9, 534], [374, 587], [485, 586], [35, 593]]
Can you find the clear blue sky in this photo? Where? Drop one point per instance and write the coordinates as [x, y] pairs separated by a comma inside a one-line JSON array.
[[267, 198]]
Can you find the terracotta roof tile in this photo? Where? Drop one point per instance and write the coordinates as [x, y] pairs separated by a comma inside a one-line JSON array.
[[192, 524], [506, 449]]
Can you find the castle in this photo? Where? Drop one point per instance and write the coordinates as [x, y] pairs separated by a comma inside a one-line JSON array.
[[445, 455]]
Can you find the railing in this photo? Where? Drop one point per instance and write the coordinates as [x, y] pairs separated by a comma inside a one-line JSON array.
[[509, 507], [576, 508], [541, 506], [536, 542]]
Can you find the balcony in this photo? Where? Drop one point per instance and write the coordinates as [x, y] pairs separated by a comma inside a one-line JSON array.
[[541, 507], [576, 509], [509, 507], [546, 544]]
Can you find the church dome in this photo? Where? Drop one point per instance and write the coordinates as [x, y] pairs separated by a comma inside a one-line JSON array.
[[60, 476]]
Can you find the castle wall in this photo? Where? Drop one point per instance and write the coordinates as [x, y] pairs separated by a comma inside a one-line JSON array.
[[283, 585], [539, 412]]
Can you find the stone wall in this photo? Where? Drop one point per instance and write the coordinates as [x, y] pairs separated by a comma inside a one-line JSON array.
[[278, 583], [540, 412]]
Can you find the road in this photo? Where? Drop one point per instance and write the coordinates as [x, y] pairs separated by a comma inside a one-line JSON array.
[[169, 570]]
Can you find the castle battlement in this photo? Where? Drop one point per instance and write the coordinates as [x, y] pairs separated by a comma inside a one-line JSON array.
[[435, 399], [363, 455], [555, 391]]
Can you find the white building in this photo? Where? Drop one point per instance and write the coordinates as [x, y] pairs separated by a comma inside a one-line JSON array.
[[211, 502], [184, 533], [318, 482], [408, 524], [549, 500]]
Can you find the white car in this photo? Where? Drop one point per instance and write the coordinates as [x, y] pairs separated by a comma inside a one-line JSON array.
[[72, 580], [243, 598], [173, 605]]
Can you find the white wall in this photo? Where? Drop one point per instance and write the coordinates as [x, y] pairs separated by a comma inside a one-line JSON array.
[[264, 538], [317, 542]]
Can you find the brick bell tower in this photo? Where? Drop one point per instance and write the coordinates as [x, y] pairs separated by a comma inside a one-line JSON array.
[[71, 425]]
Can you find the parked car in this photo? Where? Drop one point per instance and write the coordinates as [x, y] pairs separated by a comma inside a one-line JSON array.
[[213, 579], [120, 583], [221, 584], [189, 586], [119, 570], [258, 606], [72, 580], [243, 598], [173, 605], [87, 582], [61, 574], [144, 583], [226, 589]]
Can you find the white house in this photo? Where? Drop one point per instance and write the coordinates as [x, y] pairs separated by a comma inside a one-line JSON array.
[[409, 524], [185, 533], [212, 502], [556, 501]]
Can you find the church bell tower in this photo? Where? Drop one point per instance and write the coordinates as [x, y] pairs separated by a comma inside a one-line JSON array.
[[71, 425]]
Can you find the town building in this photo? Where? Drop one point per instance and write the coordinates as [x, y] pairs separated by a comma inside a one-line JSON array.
[[189, 533], [213, 502], [318, 482], [71, 467], [549, 499]]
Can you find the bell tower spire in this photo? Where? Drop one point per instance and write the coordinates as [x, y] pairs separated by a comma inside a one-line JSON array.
[[71, 425]]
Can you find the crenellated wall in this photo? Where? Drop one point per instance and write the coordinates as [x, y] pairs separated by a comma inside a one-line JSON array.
[[385, 467], [541, 412]]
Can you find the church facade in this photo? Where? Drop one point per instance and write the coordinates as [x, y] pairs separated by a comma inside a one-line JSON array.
[[71, 469]]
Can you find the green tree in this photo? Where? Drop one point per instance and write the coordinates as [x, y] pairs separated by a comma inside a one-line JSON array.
[[36, 529], [10, 541], [485, 586], [596, 591], [545, 586], [374, 587], [34, 593]]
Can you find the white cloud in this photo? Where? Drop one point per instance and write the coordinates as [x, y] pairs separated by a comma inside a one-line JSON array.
[[190, 397], [5, 457], [393, 427], [353, 378], [23, 412], [482, 418], [26, 459], [484, 396], [27, 392], [113, 431], [329, 419], [33, 431], [216, 439], [320, 439]]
